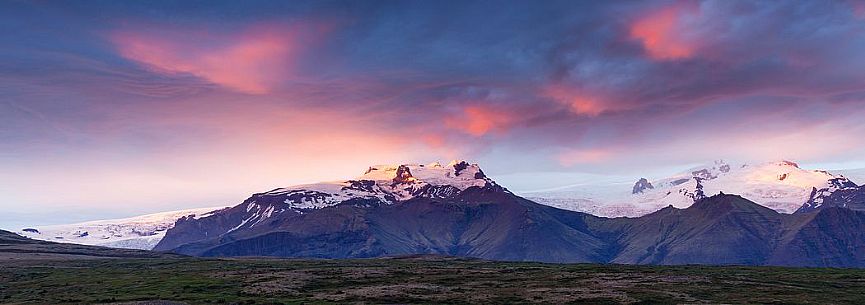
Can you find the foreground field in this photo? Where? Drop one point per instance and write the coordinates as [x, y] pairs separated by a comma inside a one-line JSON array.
[[414, 280]]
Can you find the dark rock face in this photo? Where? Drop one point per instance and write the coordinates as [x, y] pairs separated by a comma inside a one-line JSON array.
[[789, 163], [459, 167], [842, 193], [403, 175], [489, 222], [436, 191], [698, 193], [361, 185], [641, 186], [704, 174], [680, 181]]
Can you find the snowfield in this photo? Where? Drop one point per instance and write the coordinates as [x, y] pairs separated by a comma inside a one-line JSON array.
[[780, 185]]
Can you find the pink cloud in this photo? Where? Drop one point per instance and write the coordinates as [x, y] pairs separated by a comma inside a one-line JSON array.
[[252, 62], [577, 101], [477, 120], [661, 32]]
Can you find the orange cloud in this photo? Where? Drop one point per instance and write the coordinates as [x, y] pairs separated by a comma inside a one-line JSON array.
[[661, 32], [251, 62], [578, 102], [478, 120]]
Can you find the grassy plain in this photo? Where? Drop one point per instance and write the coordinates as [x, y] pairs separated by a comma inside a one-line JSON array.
[[425, 280]]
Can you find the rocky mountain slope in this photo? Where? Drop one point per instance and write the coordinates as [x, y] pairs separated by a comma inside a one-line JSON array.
[[731, 230], [456, 210], [446, 200], [480, 222], [838, 195]]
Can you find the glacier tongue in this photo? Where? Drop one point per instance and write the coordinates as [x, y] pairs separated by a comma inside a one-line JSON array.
[[140, 232]]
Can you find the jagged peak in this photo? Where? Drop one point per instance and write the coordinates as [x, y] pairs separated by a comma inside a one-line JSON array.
[[382, 184], [788, 163], [455, 162], [642, 185], [719, 199], [403, 175], [433, 173]]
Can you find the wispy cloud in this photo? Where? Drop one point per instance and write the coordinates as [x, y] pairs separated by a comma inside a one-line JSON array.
[[253, 61]]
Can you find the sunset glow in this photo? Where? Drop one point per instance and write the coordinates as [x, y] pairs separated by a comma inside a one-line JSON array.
[[140, 107]]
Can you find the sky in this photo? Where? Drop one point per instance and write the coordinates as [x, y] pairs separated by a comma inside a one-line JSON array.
[[114, 108]]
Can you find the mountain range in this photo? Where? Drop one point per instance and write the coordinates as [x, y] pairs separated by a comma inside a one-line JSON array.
[[457, 210]]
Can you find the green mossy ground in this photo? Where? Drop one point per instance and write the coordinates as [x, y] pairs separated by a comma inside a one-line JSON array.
[[416, 280]]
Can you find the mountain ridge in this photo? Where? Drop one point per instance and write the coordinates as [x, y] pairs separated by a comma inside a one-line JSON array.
[[488, 221], [382, 185]]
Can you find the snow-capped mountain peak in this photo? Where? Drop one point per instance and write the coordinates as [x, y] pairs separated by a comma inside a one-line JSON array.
[[641, 186], [379, 185], [459, 174], [780, 185], [388, 183]]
